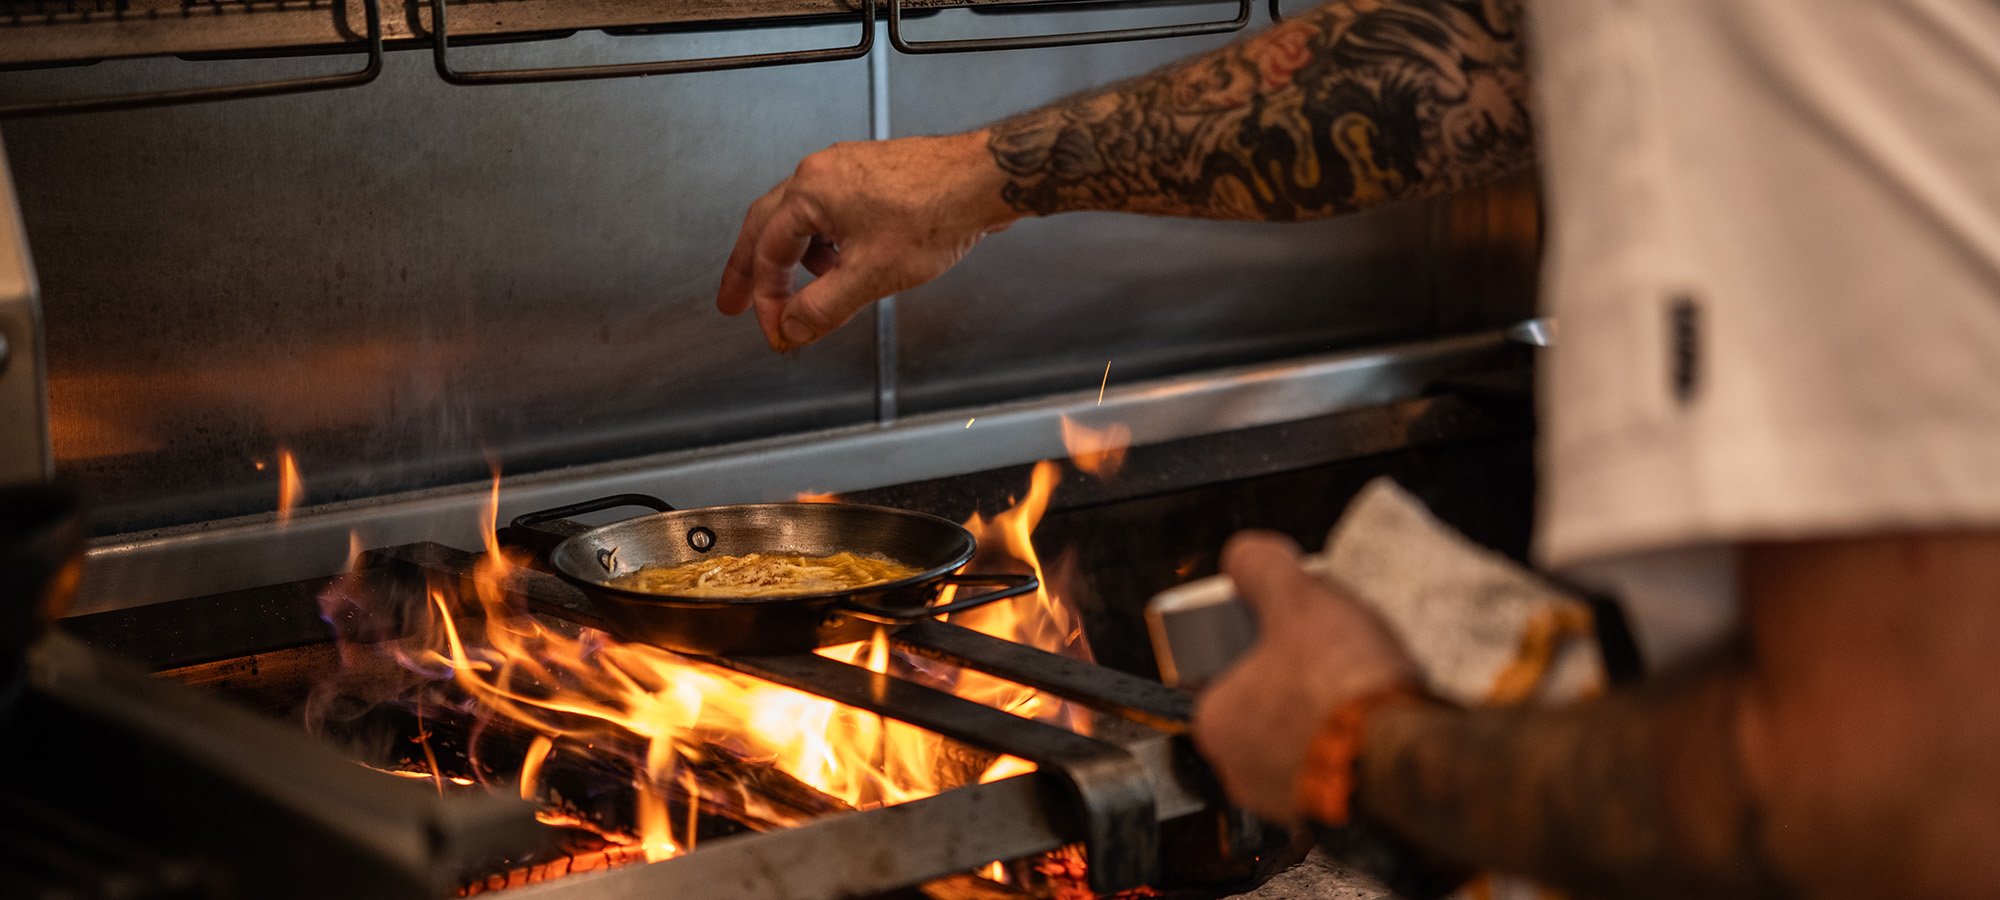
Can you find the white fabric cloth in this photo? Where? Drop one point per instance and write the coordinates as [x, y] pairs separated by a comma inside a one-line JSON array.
[[1818, 181]]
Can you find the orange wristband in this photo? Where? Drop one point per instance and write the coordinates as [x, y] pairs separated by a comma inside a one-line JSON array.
[[1326, 785]]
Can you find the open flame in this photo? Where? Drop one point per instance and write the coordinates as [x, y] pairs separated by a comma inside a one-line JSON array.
[[1041, 619], [291, 489], [1099, 454], [580, 691]]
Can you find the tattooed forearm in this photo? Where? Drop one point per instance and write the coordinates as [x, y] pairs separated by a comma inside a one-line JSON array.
[[1352, 104], [1637, 795]]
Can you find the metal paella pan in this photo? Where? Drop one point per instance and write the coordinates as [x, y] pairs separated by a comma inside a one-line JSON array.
[[595, 558]]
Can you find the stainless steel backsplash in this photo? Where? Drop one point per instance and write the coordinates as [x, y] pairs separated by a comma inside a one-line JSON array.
[[405, 283]]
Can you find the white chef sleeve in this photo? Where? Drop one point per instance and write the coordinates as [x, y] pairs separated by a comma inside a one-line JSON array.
[[1774, 250]]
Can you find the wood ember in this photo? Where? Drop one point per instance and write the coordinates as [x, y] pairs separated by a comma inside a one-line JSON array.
[[606, 856]]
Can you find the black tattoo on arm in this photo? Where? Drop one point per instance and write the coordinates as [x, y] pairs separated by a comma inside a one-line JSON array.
[[1639, 794], [1352, 104]]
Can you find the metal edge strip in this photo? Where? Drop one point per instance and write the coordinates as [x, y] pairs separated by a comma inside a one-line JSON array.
[[232, 554], [952, 832]]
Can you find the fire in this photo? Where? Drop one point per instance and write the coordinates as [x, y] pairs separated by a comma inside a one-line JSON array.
[[1097, 453], [1041, 619], [816, 497], [580, 691], [290, 488]]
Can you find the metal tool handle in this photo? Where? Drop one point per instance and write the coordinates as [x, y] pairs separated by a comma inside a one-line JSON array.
[[1010, 586], [371, 9], [441, 57], [1064, 39], [1199, 630]]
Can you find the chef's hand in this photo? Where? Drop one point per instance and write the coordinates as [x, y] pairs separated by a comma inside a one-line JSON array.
[[869, 219], [1316, 649]]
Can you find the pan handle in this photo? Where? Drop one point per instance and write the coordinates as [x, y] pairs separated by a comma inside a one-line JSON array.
[[587, 507], [1009, 586], [544, 529]]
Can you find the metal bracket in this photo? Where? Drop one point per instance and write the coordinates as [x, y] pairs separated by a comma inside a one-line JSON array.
[[367, 73], [441, 56], [1111, 789], [1064, 39]]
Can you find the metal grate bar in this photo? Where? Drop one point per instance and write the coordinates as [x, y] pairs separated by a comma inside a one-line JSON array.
[[1112, 792], [1105, 690]]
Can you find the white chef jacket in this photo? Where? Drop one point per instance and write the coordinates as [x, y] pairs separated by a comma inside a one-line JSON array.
[[1774, 253]]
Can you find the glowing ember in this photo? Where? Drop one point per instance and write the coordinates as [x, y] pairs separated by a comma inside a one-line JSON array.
[[290, 488], [1097, 453]]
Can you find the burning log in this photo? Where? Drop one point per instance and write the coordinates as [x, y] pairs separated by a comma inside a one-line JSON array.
[[589, 778], [591, 789], [607, 856]]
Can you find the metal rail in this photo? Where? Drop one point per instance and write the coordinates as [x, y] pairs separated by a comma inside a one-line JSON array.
[[66, 33], [441, 57], [1061, 39], [823, 860], [372, 43]]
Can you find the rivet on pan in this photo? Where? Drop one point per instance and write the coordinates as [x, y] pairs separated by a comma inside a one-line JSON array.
[[701, 539], [608, 558]]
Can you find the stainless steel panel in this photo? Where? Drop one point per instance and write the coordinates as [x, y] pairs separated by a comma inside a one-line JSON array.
[[398, 281], [212, 557], [1047, 304]]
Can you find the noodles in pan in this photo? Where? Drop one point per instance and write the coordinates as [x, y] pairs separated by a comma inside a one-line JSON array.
[[765, 575]]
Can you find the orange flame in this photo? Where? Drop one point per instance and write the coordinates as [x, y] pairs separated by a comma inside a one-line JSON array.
[[1041, 619], [572, 688], [290, 488], [816, 497], [1099, 454]]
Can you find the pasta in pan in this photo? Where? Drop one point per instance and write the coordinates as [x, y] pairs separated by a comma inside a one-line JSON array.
[[765, 575]]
